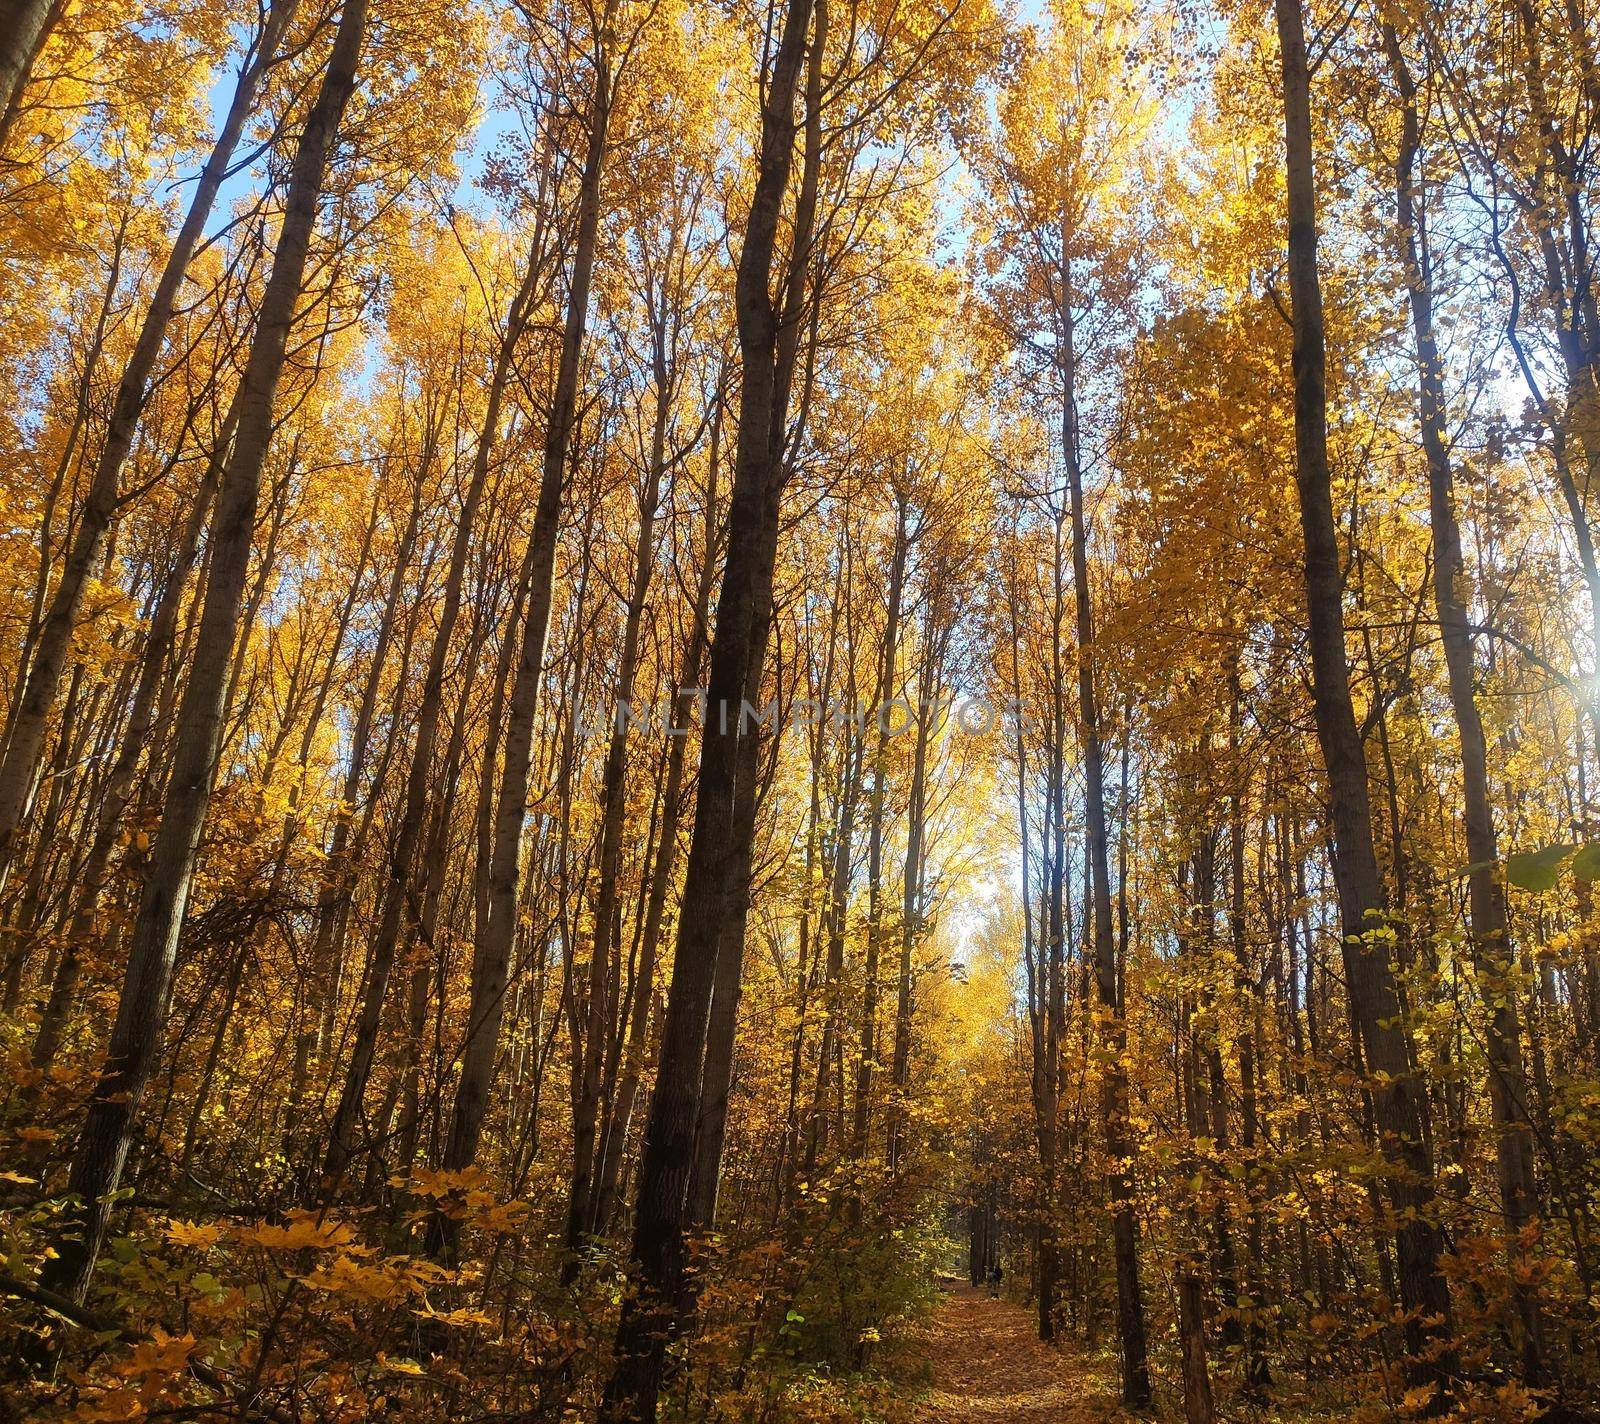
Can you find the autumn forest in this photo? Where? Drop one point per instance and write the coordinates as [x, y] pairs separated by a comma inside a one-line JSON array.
[[805, 711]]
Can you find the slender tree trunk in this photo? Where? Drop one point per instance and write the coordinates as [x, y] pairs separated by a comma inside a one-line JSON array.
[[911, 902], [1041, 1022], [1114, 1104], [836, 921], [1369, 973], [119, 787], [616, 1136], [239, 960], [1258, 1376], [811, 920], [492, 951], [586, 1166], [1210, 1088], [1052, 917], [252, 944], [424, 956], [875, 809], [1194, 1102], [337, 873], [1492, 950], [659, 1235], [141, 1011], [419, 778]]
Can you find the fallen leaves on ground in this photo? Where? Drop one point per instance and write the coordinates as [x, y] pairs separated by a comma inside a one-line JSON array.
[[989, 1367]]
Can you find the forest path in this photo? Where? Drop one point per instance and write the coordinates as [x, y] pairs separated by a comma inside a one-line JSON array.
[[989, 1367]]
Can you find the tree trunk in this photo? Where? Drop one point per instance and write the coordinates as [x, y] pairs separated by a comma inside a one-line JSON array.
[[1195, 1107], [586, 1166], [24, 27], [141, 1011], [119, 785], [929, 686], [419, 779], [492, 951], [1114, 1092], [1257, 1373], [659, 1246], [616, 1135], [337, 872], [727, 986], [723, 1020], [801, 290], [1369, 974], [1490, 938], [880, 772], [1210, 1089], [1197, 1405], [1053, 951]]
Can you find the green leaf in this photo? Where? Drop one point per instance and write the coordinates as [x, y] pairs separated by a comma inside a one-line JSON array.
[[1586, 863], [1537, 870]]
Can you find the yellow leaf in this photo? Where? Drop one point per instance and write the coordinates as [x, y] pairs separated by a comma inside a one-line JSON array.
[[191, 1233], [303, 1230]]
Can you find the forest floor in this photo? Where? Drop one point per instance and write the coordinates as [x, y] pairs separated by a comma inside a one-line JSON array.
[[989, 1367]]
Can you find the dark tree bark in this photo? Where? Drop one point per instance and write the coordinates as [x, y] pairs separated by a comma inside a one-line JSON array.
[[141, 1011], [1490, 939], [722, 1023], [1369, 972], [659, 1247], [1197, 1403], [616, 1135], [782, 443], [492, 949]]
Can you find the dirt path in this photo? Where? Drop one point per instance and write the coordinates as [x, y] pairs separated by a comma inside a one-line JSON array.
[[989, 1368]]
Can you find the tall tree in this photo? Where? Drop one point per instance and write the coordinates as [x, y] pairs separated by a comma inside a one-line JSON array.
[[491, 953], [659, 1245], [136, 1037], [1369, 971], [1493, 952]]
